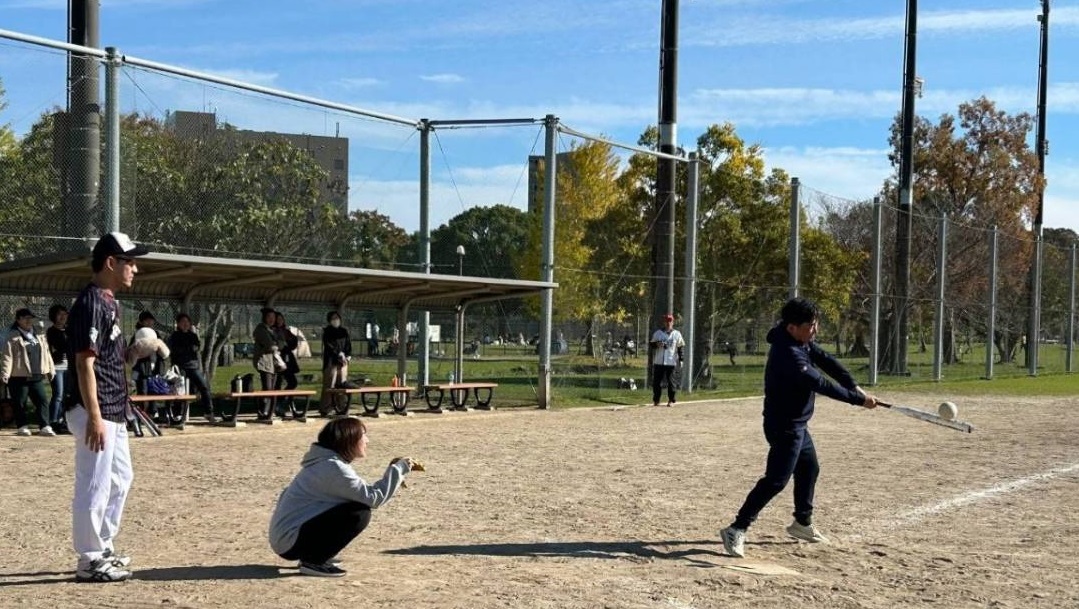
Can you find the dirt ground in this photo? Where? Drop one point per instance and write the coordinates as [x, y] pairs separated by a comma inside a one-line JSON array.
[[610, 507]]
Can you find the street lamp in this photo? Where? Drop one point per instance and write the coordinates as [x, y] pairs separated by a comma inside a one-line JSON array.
[[460, 260]]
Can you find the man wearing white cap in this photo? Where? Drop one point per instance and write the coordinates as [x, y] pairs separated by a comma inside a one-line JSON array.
[[97, 414]]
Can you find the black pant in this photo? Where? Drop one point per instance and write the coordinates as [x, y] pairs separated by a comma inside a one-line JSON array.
[[790, 452], [659, 375], [198, 383], [22, 387], [322, 537], [286, 380]]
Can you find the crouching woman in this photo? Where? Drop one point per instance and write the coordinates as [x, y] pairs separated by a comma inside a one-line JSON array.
[[328, 504]]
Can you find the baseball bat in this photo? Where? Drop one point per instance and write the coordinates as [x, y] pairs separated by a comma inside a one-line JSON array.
[[146, 420], [928, 417]]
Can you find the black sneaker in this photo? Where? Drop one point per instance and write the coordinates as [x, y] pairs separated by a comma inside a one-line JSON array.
[[101, 570], [323, 570]]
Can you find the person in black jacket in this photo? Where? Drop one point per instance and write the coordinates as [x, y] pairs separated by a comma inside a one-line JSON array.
[[336, 353], [56, 336], [286, 379], [791, 380], [185, 346]]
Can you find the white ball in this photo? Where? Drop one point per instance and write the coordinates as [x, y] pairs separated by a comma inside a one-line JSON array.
[[948, 410]]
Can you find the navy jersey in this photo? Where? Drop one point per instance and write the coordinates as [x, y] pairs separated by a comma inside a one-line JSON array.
[[94, 325]]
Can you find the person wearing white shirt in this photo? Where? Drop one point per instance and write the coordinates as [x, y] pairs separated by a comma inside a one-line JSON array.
[[667, 345]]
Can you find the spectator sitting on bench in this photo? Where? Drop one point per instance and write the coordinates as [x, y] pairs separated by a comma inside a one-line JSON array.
[[336, 353], [149, 366], [328, 504]]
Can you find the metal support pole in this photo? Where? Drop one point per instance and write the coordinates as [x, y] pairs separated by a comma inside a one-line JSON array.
[[1033, 336], [459, 357], [664, 225], [794, 255], [874, 311], [550, 170], [113, 62], [991, 327], [689, 296], [423, 374], [1068, 363], [83, 213], [402, 347], [938, 325]]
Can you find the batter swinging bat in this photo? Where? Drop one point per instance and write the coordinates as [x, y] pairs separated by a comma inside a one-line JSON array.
[[928, 417]]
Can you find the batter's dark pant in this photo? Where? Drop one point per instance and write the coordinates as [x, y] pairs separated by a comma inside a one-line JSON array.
[[325, 535], [790, 452], [660, 375]]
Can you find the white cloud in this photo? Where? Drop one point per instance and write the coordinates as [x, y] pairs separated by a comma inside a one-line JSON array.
[[358, 83], [849, 173], [765, 30], [445, 79], [475, 187], [253, 77]]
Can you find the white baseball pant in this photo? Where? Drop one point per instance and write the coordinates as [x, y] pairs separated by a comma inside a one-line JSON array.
[[102, 480]]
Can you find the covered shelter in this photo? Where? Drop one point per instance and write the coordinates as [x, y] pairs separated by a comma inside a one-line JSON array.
[[186, 278]]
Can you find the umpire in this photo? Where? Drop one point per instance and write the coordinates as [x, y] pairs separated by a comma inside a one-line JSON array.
[[792, 377]]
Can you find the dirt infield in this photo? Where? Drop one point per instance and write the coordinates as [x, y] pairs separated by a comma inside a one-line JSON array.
[[586, 508]]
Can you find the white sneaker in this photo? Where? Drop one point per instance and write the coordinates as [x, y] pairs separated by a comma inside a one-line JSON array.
[[806, 533], [46, 431], [101, 570], [734, 541], [23, 431]]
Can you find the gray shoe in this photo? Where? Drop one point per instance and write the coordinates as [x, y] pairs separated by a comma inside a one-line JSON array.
[[806, 533], [734, 541]]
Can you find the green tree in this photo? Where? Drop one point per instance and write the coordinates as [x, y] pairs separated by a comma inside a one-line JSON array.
[[587, 189], [7, 136], [371, 240], [977, 169]]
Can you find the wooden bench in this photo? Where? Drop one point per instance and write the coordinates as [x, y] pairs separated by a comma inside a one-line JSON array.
[[238, 396], [144, 417], [459, 395], [398, 399]]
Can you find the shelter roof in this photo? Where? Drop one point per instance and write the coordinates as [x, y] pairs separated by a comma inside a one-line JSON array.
[[188, 279]]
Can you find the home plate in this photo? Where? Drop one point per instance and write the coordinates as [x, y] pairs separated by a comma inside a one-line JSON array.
[[761, 568]]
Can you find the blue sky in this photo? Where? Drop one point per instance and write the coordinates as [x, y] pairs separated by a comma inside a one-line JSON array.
[[815, 82]]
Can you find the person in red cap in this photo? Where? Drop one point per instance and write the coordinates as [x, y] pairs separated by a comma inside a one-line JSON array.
[[667, 345]]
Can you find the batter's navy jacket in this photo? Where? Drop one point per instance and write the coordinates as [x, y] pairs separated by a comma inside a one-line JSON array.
[[792, 378]]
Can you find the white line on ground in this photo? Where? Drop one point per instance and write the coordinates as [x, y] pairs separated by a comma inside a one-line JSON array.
[[919, 513]]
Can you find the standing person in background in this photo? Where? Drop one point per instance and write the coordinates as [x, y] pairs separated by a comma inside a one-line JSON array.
[[56, 336], [184, 345], [286, 379], [25, 366], [97, 415], [336, 353], [667, 345], [267, 359], [791, 381]]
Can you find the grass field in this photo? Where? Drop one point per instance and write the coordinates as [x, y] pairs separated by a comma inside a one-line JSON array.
[[582, 380]]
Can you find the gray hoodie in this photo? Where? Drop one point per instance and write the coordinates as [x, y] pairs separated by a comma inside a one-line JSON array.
[[324, 481]]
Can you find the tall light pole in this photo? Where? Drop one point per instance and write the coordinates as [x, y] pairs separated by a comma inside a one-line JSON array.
[[904, 220], [460, 260], [1034, 331]]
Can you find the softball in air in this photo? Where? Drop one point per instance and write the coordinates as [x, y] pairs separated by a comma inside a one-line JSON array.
[[948, 410]]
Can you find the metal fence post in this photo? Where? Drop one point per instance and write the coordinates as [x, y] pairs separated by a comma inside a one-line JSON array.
[[991, 328], [689, 297], [794, 255], [938, 326], [1068, 365], [547, 268], [874, 311], [113, 61]]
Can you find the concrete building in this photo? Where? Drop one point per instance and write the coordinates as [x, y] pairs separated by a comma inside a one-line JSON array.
[[535, 177], [331, 153]]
